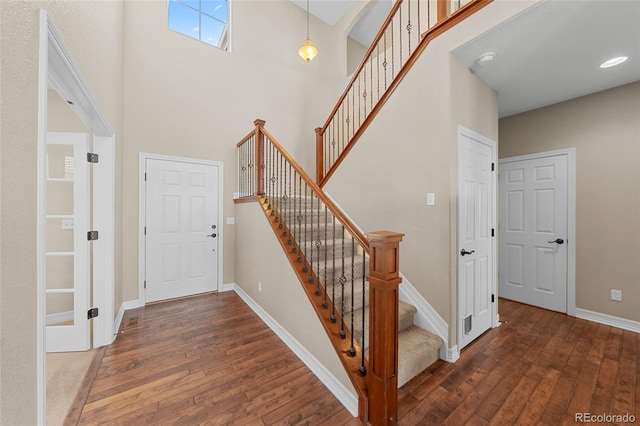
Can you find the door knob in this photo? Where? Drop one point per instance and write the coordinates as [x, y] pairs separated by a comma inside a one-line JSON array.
[[557, 241], [213, 235], [463, 252], [213, 227]]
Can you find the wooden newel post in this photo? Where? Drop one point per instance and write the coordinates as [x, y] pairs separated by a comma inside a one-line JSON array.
[[319, 156], [259, 156], [384, 278]]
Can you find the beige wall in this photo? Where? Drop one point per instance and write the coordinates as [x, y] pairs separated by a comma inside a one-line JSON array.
[[282, 296], [604, 128], [185, 98], [355, 53], [93, 33], [411, 149]]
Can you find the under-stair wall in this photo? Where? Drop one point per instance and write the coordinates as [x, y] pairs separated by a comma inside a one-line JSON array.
[[266, 277], [414, 140]]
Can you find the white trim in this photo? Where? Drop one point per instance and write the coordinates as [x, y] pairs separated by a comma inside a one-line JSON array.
[[142, 191], [126, 306], [571, 216], [453, 354], [494, 220], [227, 287], [600, 318], [53, 319], [426, 317], [348, 399], [104, 247]]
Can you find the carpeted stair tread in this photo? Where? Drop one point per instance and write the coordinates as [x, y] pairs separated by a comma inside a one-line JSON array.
[[405, 320], [417, 350]]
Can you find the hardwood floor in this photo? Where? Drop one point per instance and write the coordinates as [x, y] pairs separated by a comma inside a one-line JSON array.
[[538, 368], [210, 360]]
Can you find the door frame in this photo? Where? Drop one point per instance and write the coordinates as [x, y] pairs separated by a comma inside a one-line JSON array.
[[495, 319], [571, 214], [142, 191], [57, 69]]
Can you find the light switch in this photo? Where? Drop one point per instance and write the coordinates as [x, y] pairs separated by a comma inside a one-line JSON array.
[[431, 198], [231, 220]]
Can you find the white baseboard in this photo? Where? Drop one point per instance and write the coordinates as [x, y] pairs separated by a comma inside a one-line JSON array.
[[227, 287], [59, 317], [623, 323], [129, 304], [452, 354], [349, 400], [426, 317]]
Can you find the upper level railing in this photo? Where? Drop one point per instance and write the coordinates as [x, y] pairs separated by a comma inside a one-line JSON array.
[[409, 27], [331, 258]]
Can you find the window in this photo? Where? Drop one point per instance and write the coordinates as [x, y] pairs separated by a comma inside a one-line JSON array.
[[204, 20]]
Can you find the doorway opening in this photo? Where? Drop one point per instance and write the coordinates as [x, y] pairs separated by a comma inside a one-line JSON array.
[[57, 73]]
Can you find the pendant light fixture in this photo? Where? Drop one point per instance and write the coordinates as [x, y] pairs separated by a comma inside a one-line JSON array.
[[308, 51]]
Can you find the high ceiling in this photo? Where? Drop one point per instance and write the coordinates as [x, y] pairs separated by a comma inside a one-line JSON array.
[[547, 54]]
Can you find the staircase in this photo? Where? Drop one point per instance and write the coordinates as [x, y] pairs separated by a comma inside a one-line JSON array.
[[350, 279], [417, 347]]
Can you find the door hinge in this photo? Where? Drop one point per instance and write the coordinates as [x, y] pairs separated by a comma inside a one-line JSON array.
[[92, 313], [145, 176], [493, 298], [493, 167], [92, 157], [92, 235], [145, 283], [493, 232], [145, 230]]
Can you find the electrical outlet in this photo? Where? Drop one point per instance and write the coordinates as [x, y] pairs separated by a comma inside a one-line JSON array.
[[231, 220], [67, 223], [260, 286], [616, 295]]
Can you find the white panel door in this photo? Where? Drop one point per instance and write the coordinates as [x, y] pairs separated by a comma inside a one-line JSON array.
[[181, 229], [475, 246], [67, 248], [533, 231]]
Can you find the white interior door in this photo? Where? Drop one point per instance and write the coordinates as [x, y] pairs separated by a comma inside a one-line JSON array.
[[533, 231], [181, 229], [476, 257], [67, 248]]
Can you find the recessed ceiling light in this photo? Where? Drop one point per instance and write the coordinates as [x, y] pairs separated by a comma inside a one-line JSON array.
[[613, 62], [485, 57]]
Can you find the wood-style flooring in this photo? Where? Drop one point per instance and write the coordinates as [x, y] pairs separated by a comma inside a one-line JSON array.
[[210, 360]]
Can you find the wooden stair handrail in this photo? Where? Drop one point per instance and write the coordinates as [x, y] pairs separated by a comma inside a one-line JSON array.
[[335, 210], [439, 28], [367, 54]]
